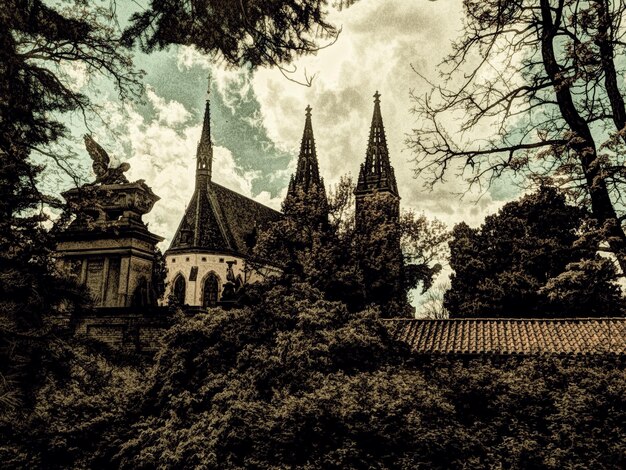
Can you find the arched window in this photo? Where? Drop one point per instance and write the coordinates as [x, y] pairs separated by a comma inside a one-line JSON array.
[[210, 290], [179, 289]]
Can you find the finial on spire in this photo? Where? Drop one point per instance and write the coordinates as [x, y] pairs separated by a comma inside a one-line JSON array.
[[376, 97], [208, 90], [308, 110]]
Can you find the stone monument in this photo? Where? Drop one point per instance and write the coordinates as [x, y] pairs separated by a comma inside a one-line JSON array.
[[108, 246]]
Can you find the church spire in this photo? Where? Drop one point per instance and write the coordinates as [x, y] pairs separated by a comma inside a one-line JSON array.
[[204, 163], [377, 173], [204, 154], [307, 172], [306, 182]]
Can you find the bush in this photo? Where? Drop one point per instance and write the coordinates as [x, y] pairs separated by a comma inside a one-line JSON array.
[[294, 380]]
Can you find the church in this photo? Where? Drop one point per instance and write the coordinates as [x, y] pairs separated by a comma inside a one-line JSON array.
[[209, 257], [209, 250], [109, 249]]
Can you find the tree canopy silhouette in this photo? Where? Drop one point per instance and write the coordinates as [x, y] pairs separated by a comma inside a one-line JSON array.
[[378, 263], [543, 77], [256, 33], [534, 258]]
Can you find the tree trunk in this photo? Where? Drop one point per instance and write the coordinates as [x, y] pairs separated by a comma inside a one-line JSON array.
[[604, 41], [583, 143]]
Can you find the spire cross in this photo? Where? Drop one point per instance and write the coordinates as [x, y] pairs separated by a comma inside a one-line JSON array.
[[208, 90], [376, 97], [308, 111]]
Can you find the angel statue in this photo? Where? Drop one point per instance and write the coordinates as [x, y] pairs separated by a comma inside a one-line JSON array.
[[101, 161]]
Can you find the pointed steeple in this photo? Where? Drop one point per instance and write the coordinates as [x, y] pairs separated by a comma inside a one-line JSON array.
[[307, 172], [204, 154], [306, 182], [377, 173], [216, 220]]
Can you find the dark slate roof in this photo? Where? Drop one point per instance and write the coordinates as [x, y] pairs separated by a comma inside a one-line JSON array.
[[466, 336], [241, 214], [219, 219]]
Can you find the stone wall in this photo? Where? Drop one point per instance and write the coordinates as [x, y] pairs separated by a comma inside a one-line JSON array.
[[132, 329]]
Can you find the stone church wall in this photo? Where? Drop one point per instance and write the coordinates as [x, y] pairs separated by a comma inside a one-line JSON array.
[[195, 267]]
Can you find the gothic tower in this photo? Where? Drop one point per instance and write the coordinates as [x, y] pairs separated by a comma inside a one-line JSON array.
[[306, 195], [377, 223], [204, 153], [200, 227], [376, 175]]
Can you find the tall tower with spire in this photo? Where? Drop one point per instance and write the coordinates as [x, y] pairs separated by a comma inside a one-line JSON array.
[[377, 217], [306, 192], [376, 175]]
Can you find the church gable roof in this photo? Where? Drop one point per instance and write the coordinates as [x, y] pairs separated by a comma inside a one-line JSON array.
[[199, 227], [219, 219], [241, 215], [467, 336]]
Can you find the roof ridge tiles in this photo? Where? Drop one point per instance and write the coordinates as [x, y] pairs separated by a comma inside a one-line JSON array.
[[509, 319], [578, 336]]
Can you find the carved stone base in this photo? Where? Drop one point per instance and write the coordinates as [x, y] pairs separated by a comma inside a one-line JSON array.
[[108, 247]]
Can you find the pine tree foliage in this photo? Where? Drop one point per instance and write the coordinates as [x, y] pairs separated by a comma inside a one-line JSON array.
[[530, 260], [254, 33]]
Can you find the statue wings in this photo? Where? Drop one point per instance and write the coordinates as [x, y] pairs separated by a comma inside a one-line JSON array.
[[100, 157]]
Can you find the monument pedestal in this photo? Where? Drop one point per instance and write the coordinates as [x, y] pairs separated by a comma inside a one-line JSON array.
[[108, 246]]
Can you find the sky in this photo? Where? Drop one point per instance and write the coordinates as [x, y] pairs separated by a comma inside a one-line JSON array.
[[257, 118]]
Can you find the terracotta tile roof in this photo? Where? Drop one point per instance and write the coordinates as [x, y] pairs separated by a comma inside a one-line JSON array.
[[475, 336]]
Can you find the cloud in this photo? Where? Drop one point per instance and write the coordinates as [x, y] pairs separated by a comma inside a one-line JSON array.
[[171, 113], [188, 57], [379, 43], [74, 74], [161, 150]]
